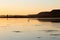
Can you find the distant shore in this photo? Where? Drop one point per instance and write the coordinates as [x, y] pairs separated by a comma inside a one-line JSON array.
[[49, 14]]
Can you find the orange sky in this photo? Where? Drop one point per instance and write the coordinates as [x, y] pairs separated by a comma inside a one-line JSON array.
[[25, 7]]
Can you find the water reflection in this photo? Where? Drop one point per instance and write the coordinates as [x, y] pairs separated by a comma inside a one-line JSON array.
[[57, 25], [21, 29]]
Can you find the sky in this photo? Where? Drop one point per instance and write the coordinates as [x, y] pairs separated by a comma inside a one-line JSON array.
[[25, 7]]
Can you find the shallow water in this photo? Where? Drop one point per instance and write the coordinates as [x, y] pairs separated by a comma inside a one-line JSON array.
[[28, 29]]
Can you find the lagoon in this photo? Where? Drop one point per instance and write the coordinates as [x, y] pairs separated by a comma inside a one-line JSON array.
[[28, 29]]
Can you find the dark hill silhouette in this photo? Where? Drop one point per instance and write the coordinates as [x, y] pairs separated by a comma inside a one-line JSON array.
[[43, 14], [55, 13], [52, 14]]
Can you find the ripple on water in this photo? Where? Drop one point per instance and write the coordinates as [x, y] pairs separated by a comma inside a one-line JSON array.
[[50, 30], [17, 31], [54, 34]]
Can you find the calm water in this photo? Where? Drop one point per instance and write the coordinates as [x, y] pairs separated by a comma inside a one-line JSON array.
[[28, 29]]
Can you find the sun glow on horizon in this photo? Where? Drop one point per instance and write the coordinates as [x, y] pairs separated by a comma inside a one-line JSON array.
[[25, 7]]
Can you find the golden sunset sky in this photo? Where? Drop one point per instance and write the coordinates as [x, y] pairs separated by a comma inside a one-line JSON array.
[[25, 7]]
